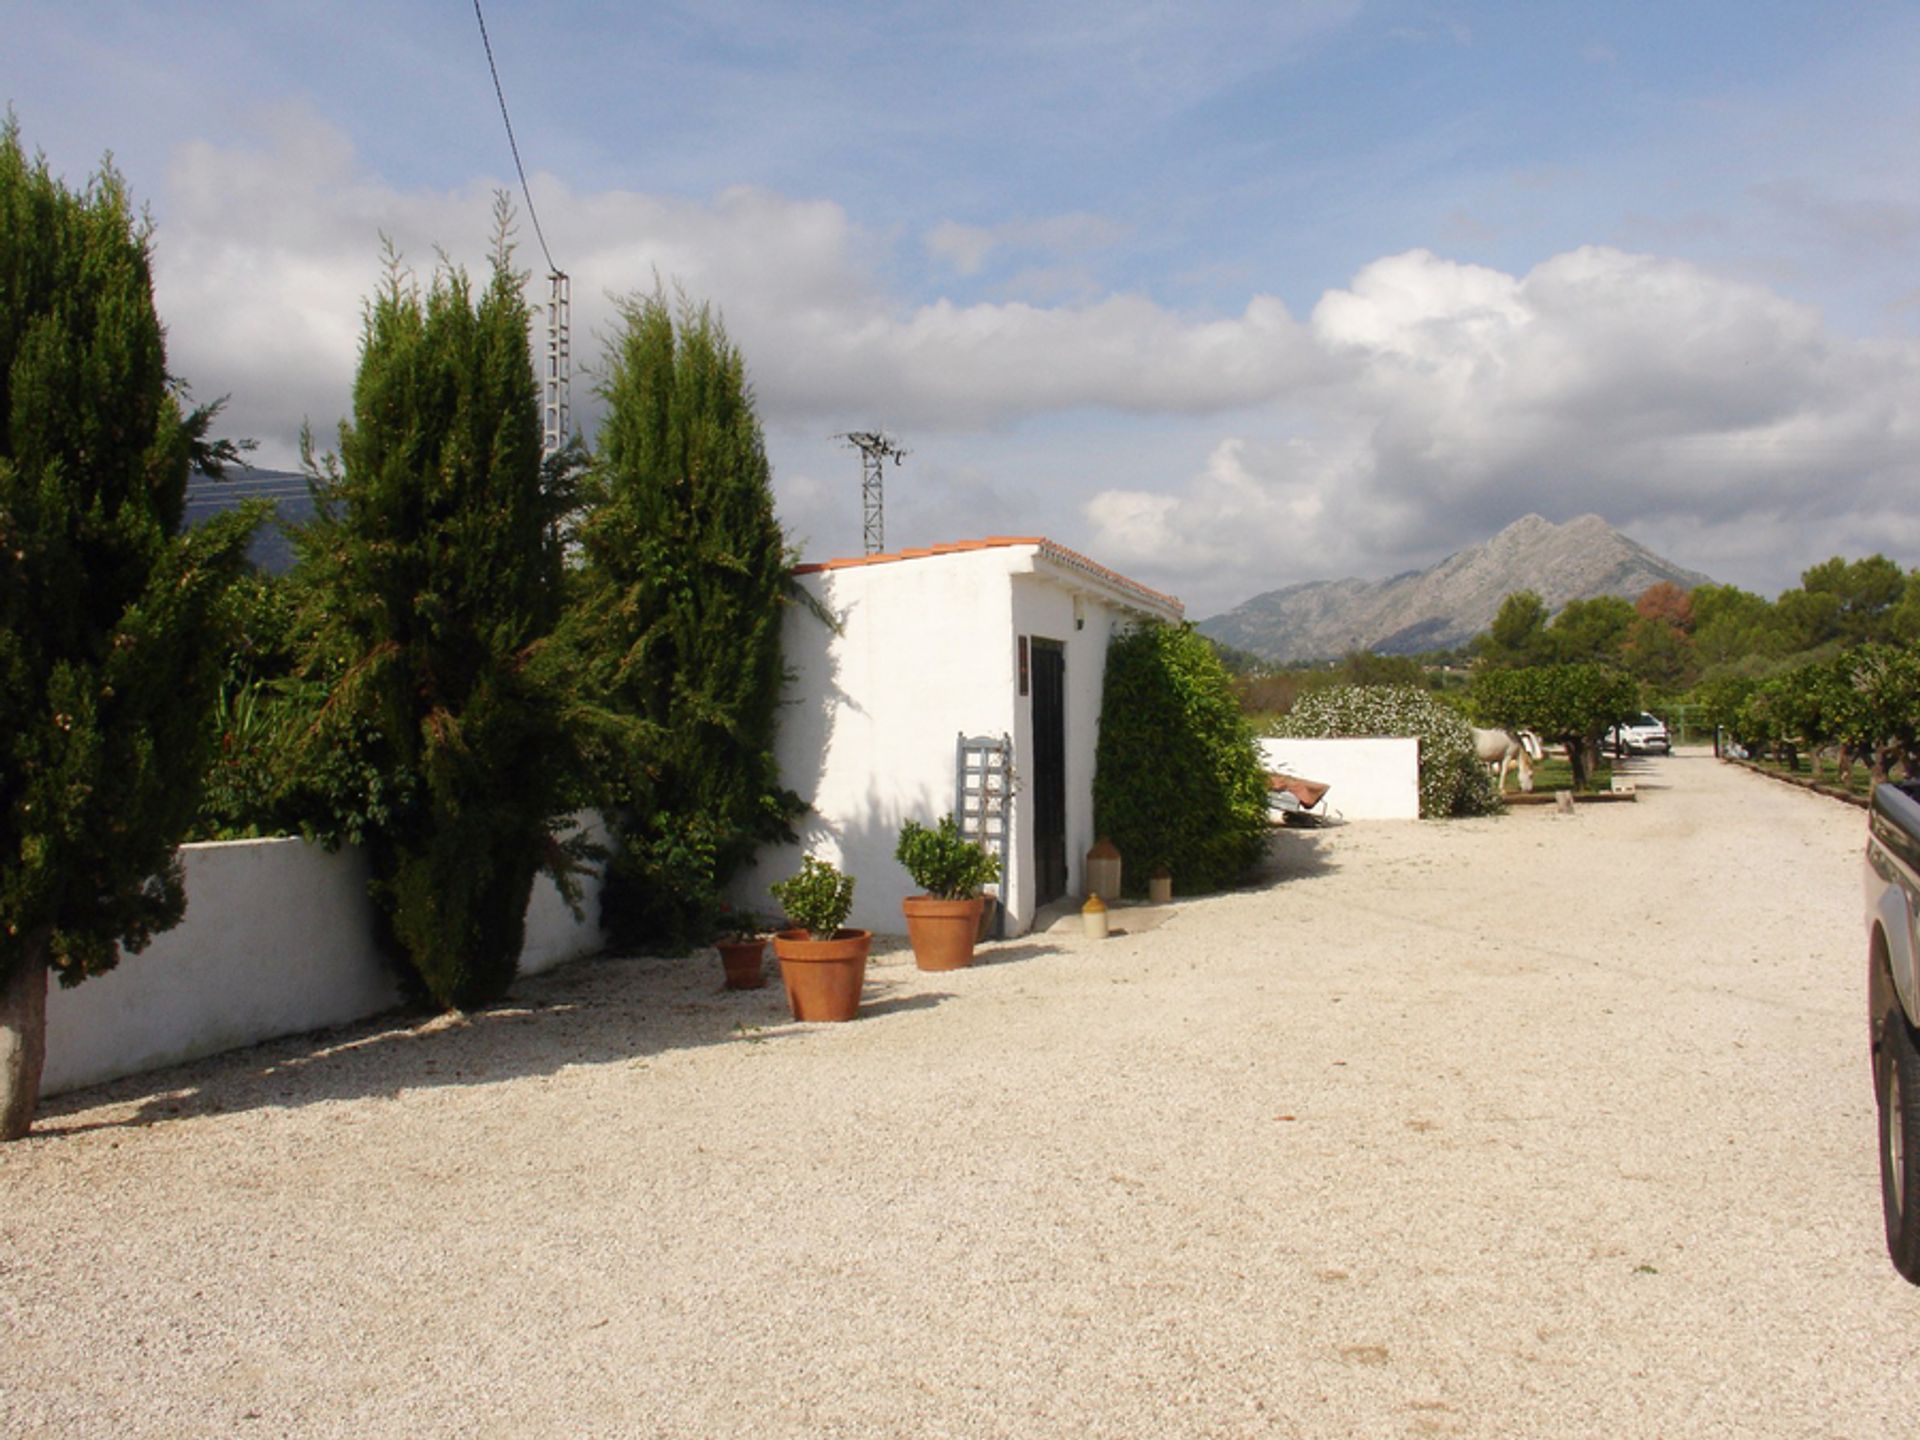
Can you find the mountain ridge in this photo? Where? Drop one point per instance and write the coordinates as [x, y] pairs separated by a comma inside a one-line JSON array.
[[1450, 602]]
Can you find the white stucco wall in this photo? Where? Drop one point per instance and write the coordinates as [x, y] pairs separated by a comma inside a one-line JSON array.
[[1370, 779], [924, 654], [928, 651], [277, 940]]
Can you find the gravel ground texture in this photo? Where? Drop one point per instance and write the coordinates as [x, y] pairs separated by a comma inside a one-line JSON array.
[[1537, 1125]]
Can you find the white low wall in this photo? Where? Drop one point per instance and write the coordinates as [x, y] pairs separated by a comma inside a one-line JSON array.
[[278, 940], [1375, 779]]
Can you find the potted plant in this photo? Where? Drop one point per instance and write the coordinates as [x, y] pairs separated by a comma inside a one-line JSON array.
[[822, 965], [742, 943], [943, 922]]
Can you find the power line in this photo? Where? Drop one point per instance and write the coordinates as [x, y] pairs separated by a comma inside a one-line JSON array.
[[557, 383], [512, 145]]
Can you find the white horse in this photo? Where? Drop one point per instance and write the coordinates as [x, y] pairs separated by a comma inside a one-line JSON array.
[[1501, 748]]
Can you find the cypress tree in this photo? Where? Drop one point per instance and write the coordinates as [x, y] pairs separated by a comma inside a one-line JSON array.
[[110, 619], [682, 596], [433, 577]]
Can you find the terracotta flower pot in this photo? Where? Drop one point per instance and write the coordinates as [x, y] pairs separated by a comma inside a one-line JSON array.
[[823, 977], [744, 962], [942, 931]]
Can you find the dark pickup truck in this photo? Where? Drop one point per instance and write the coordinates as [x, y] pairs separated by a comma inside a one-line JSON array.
[[1893, 1007]]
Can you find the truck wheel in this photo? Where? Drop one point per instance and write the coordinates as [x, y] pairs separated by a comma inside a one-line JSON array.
[[1897, 1088]]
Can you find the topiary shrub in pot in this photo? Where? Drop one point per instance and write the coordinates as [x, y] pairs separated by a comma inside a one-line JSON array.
[[822, 965], [950, 869]]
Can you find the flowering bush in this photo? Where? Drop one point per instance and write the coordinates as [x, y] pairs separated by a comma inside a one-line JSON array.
[[1452, 779]]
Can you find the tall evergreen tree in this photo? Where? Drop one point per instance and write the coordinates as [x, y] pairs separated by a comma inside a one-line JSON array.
[[683, 594], [110, 636], [433, 573]]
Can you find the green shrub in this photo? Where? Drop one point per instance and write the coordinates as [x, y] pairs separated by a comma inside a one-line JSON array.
[[1178, 780], [818, 899], [433, 574], [111, 618], [1452, 779], [943, 862], [675, 623]]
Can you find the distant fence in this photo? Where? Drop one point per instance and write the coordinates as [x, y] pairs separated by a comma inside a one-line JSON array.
[[1376, 779], [278, 940]]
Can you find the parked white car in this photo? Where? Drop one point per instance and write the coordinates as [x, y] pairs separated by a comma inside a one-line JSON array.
[[1641, 735]]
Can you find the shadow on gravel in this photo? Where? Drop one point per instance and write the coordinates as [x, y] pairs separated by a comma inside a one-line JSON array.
[[1006, 952], [597, 1011], [1293, 853]]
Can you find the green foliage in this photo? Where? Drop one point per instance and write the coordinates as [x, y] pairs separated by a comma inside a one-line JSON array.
[[1590, 632], [818, 899], [1363, 667], [242, 799], [1865, 700], [1178, 780], [1518, 635], [1571, 705], [1659, 655], [1452, 779], [677, 622], [1862, 596], [431, 583], [943, 862], [111, 619]]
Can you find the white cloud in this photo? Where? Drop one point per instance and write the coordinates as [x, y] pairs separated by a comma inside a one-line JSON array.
[[966, 249], [1696, 412], [267, 252], [1417, 409]]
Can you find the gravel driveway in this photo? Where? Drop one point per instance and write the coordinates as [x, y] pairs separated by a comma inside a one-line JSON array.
[[1539, 1125]]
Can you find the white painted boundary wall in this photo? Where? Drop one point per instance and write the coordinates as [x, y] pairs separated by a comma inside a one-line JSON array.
[[278, 940], [1369, 779]]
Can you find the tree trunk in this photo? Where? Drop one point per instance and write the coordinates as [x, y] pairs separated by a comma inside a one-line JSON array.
[[1577, 760], [23, 1036]]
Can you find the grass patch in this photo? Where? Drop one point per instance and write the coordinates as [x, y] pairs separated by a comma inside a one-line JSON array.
[[1554, 773], [1804, 769]]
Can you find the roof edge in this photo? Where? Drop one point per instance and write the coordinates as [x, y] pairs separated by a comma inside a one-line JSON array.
[[1052, 550]]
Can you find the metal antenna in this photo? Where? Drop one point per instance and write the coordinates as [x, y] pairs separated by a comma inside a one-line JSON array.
[[875, 446], [558, 408]]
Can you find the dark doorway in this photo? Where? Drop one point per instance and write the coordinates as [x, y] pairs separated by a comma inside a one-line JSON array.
[[1049, 770]]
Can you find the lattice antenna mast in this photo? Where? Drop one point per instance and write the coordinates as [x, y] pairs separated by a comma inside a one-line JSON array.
[[557, 399], [557, 407], [876, 447]]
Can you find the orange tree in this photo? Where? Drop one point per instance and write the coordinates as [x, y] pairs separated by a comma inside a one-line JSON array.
[[1570, 705]]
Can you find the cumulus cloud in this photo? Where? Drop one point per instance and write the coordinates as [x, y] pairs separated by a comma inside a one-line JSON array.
[[1420, 407], [267, 252], [1707, 416]]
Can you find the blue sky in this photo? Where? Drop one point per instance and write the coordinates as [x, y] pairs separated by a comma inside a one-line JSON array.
[[1228, 295]]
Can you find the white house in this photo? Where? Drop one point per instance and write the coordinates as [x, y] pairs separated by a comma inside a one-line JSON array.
[[1004, 637]]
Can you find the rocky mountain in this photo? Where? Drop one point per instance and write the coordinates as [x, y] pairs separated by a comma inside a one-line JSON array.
[[1450, 603]]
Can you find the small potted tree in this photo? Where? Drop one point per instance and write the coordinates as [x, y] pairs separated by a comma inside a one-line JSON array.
[[943, 922], [742, 943], [822, 965]]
